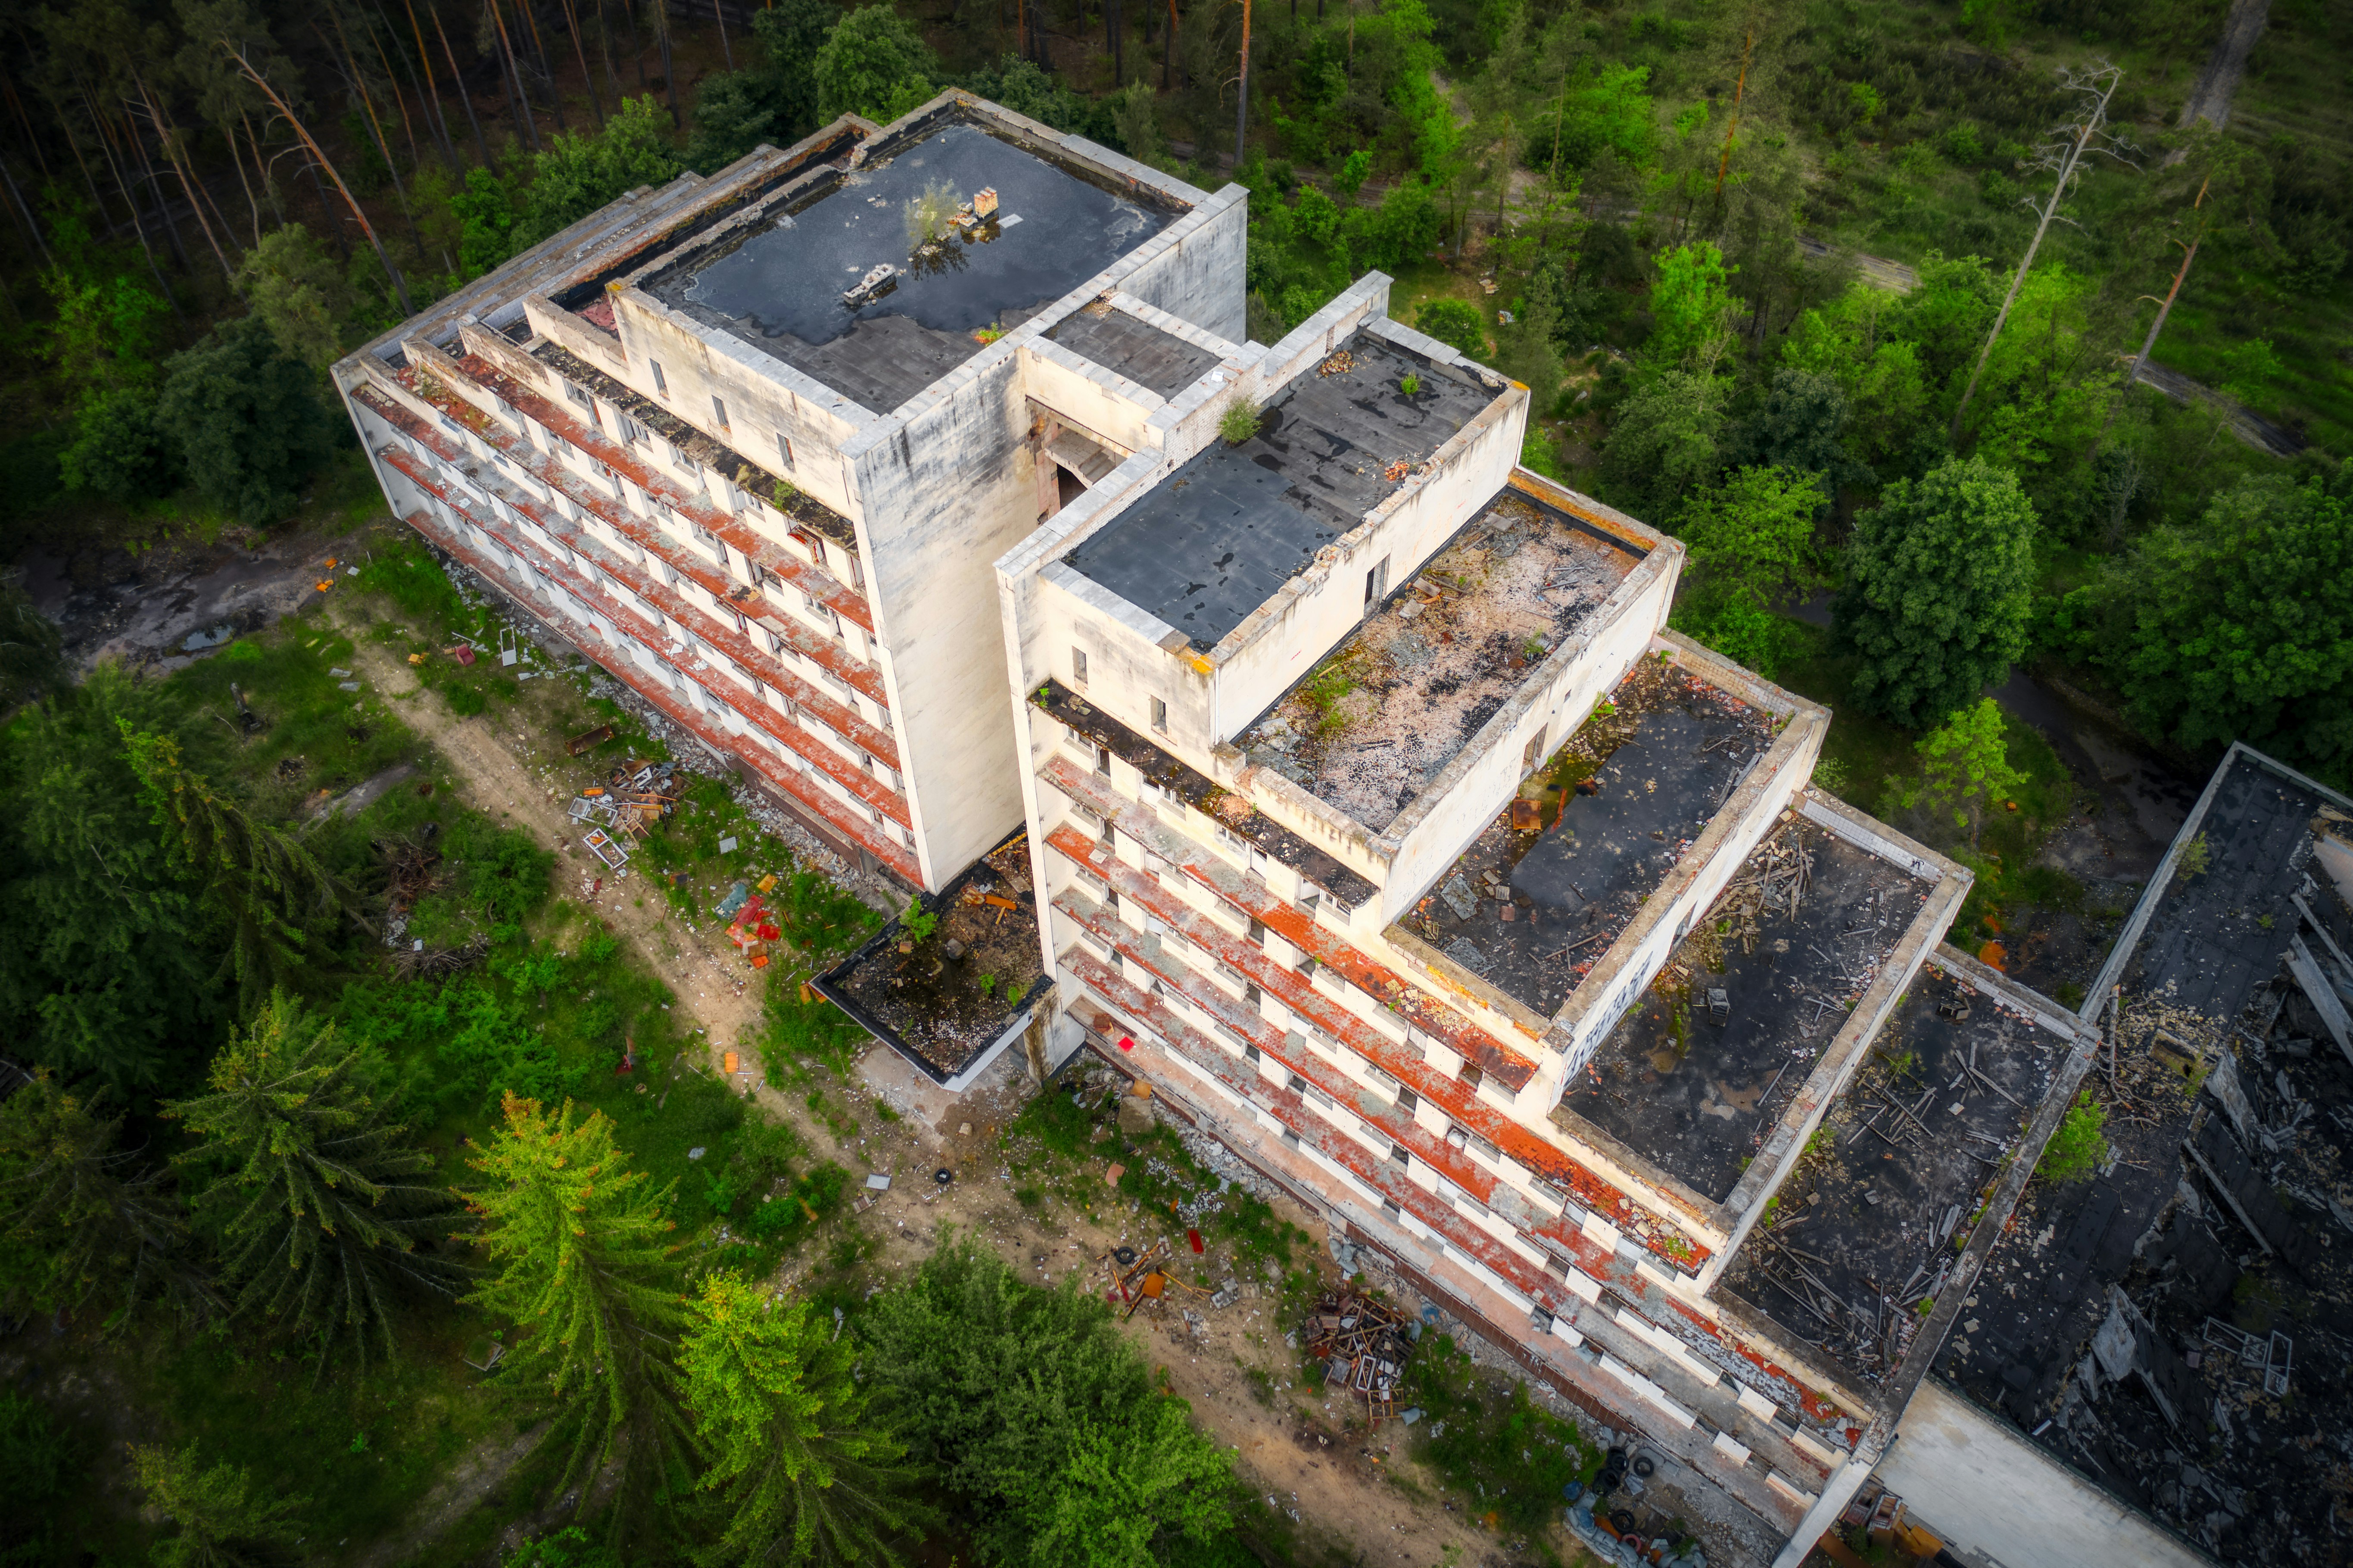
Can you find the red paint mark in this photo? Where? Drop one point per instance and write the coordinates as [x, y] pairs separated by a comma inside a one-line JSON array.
[[1193, 1237], [1126, 1044]]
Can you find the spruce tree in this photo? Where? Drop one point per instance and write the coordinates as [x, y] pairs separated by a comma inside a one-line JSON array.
[[80, 1218], [799, 1472], [262, 881], [583, 1265], [321, 1218]]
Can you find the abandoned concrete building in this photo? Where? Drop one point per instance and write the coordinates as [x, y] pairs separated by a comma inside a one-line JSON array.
[[1267, 733], [1384, 830], [752, 443]]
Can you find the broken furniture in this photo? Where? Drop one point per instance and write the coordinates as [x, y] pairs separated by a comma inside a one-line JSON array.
[[1363, 1344]]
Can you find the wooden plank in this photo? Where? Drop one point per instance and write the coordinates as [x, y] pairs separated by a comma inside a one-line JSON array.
[[2323, 997]]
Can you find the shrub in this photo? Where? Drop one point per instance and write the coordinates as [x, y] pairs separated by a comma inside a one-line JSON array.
[[1239, 423], [2080, 1144], [1456, 323]]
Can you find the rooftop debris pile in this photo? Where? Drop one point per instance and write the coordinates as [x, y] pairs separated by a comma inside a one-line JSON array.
[[2171, 1322], [1541, 896], [1854, 1253]]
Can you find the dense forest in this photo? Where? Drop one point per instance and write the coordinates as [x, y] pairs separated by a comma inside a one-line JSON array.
[[1954, 339]]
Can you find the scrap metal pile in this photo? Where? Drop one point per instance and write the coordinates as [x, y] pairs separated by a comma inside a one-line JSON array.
[[1363, 1345]]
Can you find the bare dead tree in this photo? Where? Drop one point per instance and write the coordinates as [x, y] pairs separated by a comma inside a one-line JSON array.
[[2062, 157], [319, 160]]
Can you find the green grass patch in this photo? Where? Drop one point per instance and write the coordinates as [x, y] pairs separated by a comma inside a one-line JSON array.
[[1512, 1458]]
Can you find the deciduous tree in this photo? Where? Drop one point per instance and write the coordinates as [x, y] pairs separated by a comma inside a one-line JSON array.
[[583, 172], [2237, 628], [874, 63], [1128, 1486], [245, 416], [1752, 539], [1457, 323], [1965, 768], [1690, 303], [298, 291], [1939, 584], [1666, 443]]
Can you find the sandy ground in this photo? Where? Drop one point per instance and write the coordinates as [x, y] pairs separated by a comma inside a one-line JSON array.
[[1351, 1495]]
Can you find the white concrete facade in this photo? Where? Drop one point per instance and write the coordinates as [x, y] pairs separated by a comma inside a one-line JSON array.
[[802, 583]]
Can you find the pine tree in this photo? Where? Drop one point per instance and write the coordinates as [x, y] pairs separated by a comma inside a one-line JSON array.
[[586, 1268], [103, 963], [321, 1219], [273, 892], [224, 1521], [79, 1216], [801, 1473]]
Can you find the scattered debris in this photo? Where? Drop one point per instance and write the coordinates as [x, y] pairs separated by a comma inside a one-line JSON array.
[[1363, 1344]]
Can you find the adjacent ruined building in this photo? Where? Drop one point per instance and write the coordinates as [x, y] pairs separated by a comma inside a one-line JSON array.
[[1340, 778]]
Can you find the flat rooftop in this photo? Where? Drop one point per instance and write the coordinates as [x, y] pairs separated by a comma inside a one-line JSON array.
[[778, 284], [1531, 910], [1215, 540], [944, 1000], [1867, 1228], [1800, 934], [1373, 725], [2246, 1333], [2209, 943], [1159, 361]]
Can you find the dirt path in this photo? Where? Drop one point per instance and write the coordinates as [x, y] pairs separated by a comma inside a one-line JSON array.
[[2218, 84], [470, 1481], [504, 770]]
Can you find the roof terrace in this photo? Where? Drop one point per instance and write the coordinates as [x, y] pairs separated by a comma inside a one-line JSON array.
[[1542, 894], [779, 282], [1374, 725], [1212, 541], [945, 999], [1161, 362], [1869, 1228], [1697, 1077]]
